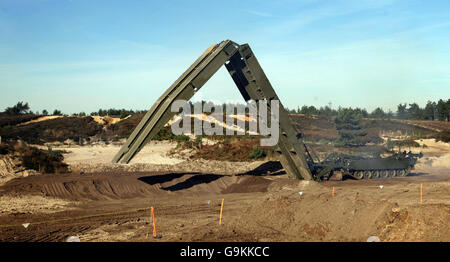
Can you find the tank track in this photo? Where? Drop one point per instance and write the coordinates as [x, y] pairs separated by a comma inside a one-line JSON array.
[[379, 173]]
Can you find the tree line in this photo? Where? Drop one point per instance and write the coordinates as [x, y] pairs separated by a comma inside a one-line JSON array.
[[439, 110], [22, 108], [432, 111]]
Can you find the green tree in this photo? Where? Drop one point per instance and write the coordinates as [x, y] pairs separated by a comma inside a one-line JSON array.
[[309, 110], [442, 109], [349, 126], [327, 111], [18, 109], [378, 113], [123, 114], [363, 112], [402, 112], [429, 111], [414, 111], [389, 114]]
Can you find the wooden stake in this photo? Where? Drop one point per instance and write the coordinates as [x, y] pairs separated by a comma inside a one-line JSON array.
[[332, 192], [154, 224], [221, 209]]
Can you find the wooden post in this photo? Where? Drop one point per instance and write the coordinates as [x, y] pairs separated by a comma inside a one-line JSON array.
[[332, 192], [221, 209], [154, 224]]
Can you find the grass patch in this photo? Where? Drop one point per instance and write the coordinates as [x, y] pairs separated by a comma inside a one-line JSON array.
[[443, 136]]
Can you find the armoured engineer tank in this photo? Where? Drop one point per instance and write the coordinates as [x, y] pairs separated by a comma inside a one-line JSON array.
[[341, 166]]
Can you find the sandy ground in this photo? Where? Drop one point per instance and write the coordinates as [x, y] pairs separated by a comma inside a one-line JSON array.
[[211, 119], [110, 202], [102, 120], [115, 207], [40, 119], [154, 153], [32, 203], [153, 157], [106, 120], [9, 170]]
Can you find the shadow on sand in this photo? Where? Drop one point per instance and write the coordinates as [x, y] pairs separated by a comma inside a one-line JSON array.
[[416, 174], [270, 168], [193, 180]]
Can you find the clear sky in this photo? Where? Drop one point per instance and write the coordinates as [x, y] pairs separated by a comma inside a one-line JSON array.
[[81, 55]]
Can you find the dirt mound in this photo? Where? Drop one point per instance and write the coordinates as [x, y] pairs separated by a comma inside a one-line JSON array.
[[97, 186], [257, 208], [347, 218], [81, 187], [249, 184], [416, 223]]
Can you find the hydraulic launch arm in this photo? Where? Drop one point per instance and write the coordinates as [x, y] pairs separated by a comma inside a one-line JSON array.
[[252, 84]]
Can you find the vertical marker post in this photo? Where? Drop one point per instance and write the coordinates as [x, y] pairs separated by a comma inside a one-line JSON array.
[[332, 192], [221, 209], [154, 224]]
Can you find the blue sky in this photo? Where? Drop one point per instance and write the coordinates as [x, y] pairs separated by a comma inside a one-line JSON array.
[[84, 55]]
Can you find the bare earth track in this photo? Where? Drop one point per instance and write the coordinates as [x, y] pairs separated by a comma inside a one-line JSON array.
[[100, 201], [115, 207]]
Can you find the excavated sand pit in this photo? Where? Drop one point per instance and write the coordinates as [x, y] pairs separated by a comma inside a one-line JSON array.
[[100, 201], [115, 207]]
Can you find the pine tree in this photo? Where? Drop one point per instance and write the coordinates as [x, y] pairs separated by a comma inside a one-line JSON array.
[[349, 126]]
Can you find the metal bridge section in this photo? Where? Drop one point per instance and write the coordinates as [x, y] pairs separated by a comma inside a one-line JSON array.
[[252, 83]]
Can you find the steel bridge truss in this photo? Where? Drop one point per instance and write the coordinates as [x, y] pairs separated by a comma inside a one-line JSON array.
[[252, 83]]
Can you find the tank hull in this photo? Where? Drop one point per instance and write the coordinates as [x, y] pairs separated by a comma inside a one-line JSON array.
[[365, 168]]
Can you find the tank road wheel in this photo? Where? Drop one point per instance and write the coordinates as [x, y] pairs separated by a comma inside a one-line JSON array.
[[404, 172], [367, 174], [375, 174], [378, 173], [384, 173], [408, 170], [401, 172], [391, 173], [358, 174]]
